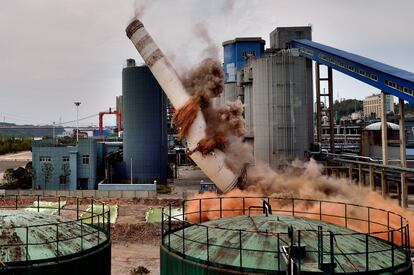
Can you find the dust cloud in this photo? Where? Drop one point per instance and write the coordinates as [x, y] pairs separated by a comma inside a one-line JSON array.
[[225, 131]]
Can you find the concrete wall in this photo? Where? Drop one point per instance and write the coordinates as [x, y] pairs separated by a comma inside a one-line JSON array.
[[126, 194]]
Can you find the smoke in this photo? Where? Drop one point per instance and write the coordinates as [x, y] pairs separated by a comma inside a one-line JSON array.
[[141, 7], [225, 125], [211, 50], [228, 6], [225, 131]]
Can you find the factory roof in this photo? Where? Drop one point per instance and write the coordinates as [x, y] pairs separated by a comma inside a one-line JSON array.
[[244, 39], [377, 126]]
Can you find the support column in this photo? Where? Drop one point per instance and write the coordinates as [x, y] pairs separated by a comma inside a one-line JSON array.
[[350, 172], [360, 175], [384, 189], [318, 104], [331, 113], [371, 178], [403, 156], [384, 139]]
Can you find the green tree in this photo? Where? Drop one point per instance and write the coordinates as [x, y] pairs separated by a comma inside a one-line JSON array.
[[19, 178], [47, 170], [65, 172], [347, 106]]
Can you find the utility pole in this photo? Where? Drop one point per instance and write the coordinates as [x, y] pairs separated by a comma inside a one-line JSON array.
[[77, 120]]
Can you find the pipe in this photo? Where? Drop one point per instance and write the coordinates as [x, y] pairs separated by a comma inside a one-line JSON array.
[[213, 164]]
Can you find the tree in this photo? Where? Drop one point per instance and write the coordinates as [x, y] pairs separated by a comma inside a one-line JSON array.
[[47, 169], [17, 178], [65, 173]]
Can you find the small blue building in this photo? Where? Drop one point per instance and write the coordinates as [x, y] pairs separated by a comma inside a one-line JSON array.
[[67, 167]]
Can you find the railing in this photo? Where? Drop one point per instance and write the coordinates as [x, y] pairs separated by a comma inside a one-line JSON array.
[[89, 232], [369, 224]]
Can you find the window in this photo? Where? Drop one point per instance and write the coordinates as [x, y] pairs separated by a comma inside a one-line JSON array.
[[65, 159], [45, 159], [85, 159], [62, 179]]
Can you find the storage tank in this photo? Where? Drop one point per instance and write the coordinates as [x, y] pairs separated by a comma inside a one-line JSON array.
[[247, 235], [37, 243], [145, 125]]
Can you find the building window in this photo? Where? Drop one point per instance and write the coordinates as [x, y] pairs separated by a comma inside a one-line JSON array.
[[65, 159], [45, 159], [85, 159]]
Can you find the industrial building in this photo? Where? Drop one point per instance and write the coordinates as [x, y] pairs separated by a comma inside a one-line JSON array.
[[372, 105], [276, 87], [95, 163]]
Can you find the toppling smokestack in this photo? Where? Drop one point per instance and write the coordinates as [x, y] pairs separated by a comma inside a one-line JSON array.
[[213, 164]]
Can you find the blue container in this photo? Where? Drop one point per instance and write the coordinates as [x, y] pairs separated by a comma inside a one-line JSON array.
[[235, 53]]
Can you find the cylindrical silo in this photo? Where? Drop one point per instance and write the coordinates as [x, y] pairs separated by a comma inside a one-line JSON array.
[[145, 125], [282, 108]]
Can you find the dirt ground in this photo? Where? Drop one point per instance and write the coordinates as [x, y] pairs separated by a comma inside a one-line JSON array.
[[134, 241]]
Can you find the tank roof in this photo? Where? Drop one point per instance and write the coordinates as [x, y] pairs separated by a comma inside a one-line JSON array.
[[258, 238], [377, 126], [29, 235]]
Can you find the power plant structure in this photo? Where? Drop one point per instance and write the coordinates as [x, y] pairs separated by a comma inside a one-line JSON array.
[[145, 148], [271, 235]]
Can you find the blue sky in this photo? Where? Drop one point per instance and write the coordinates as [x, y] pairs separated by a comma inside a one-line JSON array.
[[55, 52]]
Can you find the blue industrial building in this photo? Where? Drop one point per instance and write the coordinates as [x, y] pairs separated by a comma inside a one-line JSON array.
[[141, 157], [236, 52]]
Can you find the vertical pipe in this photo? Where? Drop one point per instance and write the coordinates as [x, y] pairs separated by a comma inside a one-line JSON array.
[[208, 249], [81, 234], [360, 175], [403, 156], [278, 251], [366, 253], [169, 227], [346, 215], [371, 178], [384, 128], [59, 205], [383, 183], [27, 243], [162, 226], [57, 240], [199, 210], [332, 247], [240, 249], [77, 208], [331, 116]]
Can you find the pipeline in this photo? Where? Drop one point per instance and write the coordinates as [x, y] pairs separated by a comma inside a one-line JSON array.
[[212, 164]]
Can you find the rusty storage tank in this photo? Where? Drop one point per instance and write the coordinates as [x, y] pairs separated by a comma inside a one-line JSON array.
[[283, 236], [33, 242]]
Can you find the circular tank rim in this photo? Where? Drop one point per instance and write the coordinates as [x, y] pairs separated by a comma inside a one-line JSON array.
[[226, 269]]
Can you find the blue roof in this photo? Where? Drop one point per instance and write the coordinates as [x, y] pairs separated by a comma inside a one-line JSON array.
[[396, 72]]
